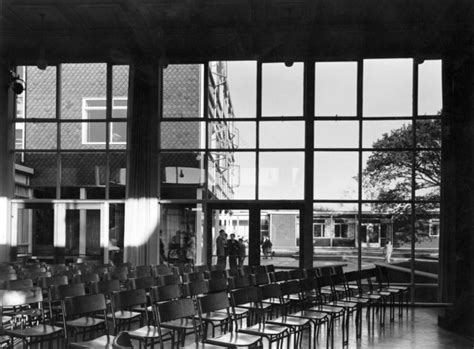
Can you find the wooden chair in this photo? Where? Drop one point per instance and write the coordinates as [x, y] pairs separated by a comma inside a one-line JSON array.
[[123, 303], [80, 318], [57, 294], [28, 319], [213, 302]]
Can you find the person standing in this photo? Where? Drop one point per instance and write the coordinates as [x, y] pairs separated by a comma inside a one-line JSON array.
[[233, 249], [388, 249], [221, 247], [241, 257], [267, 247]]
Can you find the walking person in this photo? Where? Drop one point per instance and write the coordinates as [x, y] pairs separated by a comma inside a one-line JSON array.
[[221, 248], [267, 247], [241, 257]]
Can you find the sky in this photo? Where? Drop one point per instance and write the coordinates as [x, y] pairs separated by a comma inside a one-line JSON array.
[[387, 91]]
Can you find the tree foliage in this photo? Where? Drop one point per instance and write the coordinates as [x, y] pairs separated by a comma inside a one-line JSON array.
[[388, 174]]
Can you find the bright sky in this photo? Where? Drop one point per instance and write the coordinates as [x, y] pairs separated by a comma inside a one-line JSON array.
[[387, 91]]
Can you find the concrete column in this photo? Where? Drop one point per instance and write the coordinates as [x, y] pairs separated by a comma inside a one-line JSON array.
[[141, 242], [7, 184], [456, 248]]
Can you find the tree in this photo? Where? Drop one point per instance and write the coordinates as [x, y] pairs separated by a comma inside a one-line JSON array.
[[388, 175]]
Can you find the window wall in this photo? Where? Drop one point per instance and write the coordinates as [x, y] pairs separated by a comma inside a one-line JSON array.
[[71, 127]]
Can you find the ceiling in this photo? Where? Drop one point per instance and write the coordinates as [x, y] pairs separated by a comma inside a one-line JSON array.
[[194, 30]]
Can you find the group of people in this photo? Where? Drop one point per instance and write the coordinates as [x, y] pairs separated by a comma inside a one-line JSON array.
[[232, 248]]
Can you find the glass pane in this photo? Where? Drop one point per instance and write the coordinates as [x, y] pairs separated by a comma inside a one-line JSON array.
[[120, 75], [282, 89], [282, 134], [387, 134], [79, 83], [38, 173], [335, 225], [427, 235], [181, 237], [336, 134], [231, 175], [279, 237], [40, 222], [386, 175], [242, 84], [182, 175], [83, 175], [281, 175], [428, 175], [118, 135], [118, 175], [183, 95], [428, 133], [183, 135], [86, 135], [83, 232], [336, 175], [116, 232], [336, 89], [234, 225], [430, 94], [388, 87], [231, 134], [40, 135], [40, 93]]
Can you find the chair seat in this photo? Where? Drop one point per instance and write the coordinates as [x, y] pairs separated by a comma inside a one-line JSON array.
[[85, 321], [266, 329], [328, 309], [307, 314], [124, 315], [289, 321], [235, 339], [36, 331], [103, 342], [178, 324], [214, 316], [202, 346], [358, 300], [148, 332]]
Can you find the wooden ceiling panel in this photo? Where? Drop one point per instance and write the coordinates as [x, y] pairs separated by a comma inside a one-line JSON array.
[[30, 17], [102, 16]]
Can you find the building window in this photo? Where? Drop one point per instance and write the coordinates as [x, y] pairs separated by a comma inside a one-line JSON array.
[[95, 109], [319, 228], [340, 228], [434, 227]]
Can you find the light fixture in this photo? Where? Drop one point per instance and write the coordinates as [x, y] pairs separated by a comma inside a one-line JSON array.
[[289, 63], [16, 83], [181, 174]]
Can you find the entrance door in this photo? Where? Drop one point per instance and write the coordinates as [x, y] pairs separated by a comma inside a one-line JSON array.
[[370, 234], [251, 225]]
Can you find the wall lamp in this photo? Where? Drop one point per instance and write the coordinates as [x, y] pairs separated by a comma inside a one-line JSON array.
[[16, 83]]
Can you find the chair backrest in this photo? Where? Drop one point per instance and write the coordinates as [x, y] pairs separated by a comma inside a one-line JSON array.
[[232, 272], [271, 291], [194, 276], [246, 295], [86, 278], [84, 305], [106, 286], [214, 301], [8, 276], [185, 269], [196, 288], [165, 293], [160, 269], [239, 282], [313, 272], [46, 282], [57, 269], [142, 271], [269, 268], [174, 309], [257, 269], [216, 285], [216, 274], [338, 269], [296, 274], [143, 283], [171, 279], [14, 298], [19, 284], [279, 276], [120, 275], [204, 268], [261, 279], [326, 270], [245, 270], [123, 300], [290, 287], [60, 292]]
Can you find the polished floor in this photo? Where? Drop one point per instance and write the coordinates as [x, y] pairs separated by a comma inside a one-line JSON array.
[[416, 329]]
